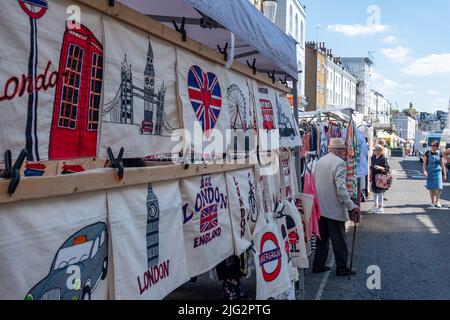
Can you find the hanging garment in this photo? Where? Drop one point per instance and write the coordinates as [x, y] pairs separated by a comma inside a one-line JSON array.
[[296, 236], [317, 141], [271, 262], [306, 141], [310, 188], [323, 140], [352, 160], [363, 147], [314, 138]]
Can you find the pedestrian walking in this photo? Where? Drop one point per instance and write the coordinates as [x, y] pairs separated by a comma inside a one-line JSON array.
[[335, 205], [434, 169], [379, 168]]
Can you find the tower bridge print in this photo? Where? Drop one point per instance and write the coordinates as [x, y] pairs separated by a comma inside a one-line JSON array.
[[121, 110]]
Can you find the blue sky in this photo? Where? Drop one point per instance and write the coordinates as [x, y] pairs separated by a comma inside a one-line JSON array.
[[409, 39]]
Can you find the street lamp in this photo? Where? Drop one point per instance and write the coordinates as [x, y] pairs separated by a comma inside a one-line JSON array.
[[269, 9]]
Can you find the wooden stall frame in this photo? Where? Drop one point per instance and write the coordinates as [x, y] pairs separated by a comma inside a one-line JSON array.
[[131, 17], [104, 179]]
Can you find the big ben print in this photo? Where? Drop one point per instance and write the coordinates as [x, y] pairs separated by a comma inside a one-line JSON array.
[[152, 227]]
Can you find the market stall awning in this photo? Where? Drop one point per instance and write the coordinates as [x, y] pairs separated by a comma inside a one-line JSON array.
[[255, 36]]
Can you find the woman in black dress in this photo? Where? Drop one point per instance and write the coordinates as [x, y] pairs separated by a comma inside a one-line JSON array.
[[378, 165]]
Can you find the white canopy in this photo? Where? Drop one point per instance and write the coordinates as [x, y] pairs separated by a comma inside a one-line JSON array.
[[256, 37]]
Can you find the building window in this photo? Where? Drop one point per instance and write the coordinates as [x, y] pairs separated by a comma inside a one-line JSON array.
[[290, 19], [71, 88], [302, 31], [95, 92], [296, 27]]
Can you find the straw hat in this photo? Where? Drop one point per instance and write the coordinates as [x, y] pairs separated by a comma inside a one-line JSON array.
[[336, 143]]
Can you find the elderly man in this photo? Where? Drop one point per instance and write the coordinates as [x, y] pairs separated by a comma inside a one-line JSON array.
[[335, 205]]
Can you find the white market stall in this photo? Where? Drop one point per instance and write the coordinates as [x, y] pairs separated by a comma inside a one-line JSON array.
[[77, 94]]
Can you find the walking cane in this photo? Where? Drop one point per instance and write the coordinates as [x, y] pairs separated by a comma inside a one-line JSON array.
[[355, 225], [353, 247]]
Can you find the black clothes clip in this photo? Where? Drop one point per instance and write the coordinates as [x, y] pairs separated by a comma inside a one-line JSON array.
[[117, 163], [181, 28], [224, 51], [252, 66], [271, 76], [284, 82], [13, 171]]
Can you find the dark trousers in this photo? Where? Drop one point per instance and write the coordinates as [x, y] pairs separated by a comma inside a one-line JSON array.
[[334, 230]]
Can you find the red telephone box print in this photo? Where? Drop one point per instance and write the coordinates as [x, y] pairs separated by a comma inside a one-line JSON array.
[[267, 113], [74, 129]]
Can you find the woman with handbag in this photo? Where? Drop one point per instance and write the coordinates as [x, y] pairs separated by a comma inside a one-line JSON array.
[[380, 177], [434, 169]]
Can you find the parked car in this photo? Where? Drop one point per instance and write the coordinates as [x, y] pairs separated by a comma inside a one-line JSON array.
[[77, 268]]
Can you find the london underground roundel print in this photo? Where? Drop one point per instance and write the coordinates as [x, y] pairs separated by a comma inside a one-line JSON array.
[[270, 257], [34, 8]]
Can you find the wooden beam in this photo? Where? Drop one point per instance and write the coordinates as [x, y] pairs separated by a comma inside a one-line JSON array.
[[104, 179], [153, 27]]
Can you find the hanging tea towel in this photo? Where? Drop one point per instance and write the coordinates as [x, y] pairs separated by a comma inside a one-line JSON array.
[[271, 262], [207, 227], [55, 249], [296, 236], [243, 208], [147, 236]]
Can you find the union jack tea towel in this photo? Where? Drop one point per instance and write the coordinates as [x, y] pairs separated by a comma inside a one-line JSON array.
[[55, 248], [51, 79], [243, 207], [202, 87], [147, 237], [296, 236], [271, 263], [207, 227], [287, 125], [140, 110]]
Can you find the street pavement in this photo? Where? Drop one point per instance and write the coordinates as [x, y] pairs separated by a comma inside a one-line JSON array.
[[409, 243]]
